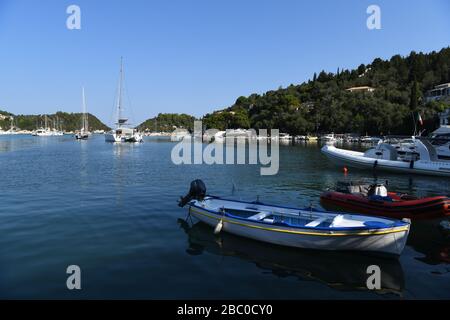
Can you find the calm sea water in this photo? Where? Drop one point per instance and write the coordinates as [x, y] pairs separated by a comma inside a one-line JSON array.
[[111, 209]]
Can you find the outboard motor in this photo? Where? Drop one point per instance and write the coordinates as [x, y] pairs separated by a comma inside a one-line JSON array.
[[196, 192], [378, 189]]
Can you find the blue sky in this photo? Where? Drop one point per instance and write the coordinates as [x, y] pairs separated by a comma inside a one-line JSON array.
[[193, 56]]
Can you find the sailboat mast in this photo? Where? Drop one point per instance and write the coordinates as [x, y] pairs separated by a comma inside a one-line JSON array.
[[84, 118], [119, 100]]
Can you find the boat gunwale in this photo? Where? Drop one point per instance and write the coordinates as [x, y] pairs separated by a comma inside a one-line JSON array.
[[390, 228], [310, 209], [276, 228]]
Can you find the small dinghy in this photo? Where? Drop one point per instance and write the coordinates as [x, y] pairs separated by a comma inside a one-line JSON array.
[[385, 157], [302, 228], [374, 199]]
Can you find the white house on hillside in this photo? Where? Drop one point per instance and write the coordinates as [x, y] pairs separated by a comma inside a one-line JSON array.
[[361, 89], [440, 92]]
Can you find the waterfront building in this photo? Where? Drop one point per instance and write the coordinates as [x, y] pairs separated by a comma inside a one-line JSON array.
[[361, 89], [439, 93]]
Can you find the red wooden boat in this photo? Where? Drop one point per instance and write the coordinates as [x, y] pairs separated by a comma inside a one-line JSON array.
[[375, 200]]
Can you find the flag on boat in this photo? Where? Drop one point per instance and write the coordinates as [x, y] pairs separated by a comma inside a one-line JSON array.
[[420, 119]]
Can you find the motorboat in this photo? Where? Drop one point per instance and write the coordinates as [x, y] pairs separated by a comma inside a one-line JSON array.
[[240, 134], [57, 132], [385, 157], [300, 138], [122, 132], [368, 139], [43, 132], [328, 138], [218, 137], [305, 138], [375, 199], [294, 227], [440, 139], [285, 137], [180, 134], [406, 149]]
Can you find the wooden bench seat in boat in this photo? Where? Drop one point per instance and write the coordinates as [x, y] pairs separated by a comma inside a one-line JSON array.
[[260, 216], [316, 222]]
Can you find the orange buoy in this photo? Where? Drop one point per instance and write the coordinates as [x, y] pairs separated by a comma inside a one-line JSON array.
[[345, 170]]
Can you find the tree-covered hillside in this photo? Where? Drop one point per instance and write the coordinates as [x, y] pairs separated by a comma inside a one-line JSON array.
[[60, 120], [167, 122], [324, 105]]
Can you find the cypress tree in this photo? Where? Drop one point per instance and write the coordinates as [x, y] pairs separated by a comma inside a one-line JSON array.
[[414, 96]]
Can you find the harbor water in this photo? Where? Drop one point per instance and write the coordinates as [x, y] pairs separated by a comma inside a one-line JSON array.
[[112, 210]]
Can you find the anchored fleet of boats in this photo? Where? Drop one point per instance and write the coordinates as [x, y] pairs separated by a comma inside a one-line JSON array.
[[380, 220]]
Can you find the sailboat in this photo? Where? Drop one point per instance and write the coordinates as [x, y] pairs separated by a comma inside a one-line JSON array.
[[56, 125], [12, 129], [84, 131], [122, 133]]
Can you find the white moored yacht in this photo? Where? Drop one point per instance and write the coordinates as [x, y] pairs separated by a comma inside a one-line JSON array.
[[440, 139], [385, 157], [122, 133]]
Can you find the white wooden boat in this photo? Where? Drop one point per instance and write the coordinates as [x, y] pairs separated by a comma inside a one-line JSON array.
[[385, 157], [301, 228]]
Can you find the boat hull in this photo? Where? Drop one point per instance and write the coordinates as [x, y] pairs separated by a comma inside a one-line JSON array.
[[112, 137], [357, 160], [81, 136], [418, 209], [389, 242]]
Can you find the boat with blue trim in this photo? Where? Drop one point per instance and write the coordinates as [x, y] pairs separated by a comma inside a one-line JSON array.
[[307, 228], [423, 160]]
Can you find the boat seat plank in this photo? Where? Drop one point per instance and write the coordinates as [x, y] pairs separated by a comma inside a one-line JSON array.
[[316, 222], [260, 216]]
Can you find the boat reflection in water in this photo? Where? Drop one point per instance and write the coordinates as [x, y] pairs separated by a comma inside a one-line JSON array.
[[338, 270], [431, 241]]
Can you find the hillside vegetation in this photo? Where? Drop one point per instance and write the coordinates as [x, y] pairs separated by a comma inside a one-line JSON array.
[[324, 105], [65, 121], [167, 122]]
